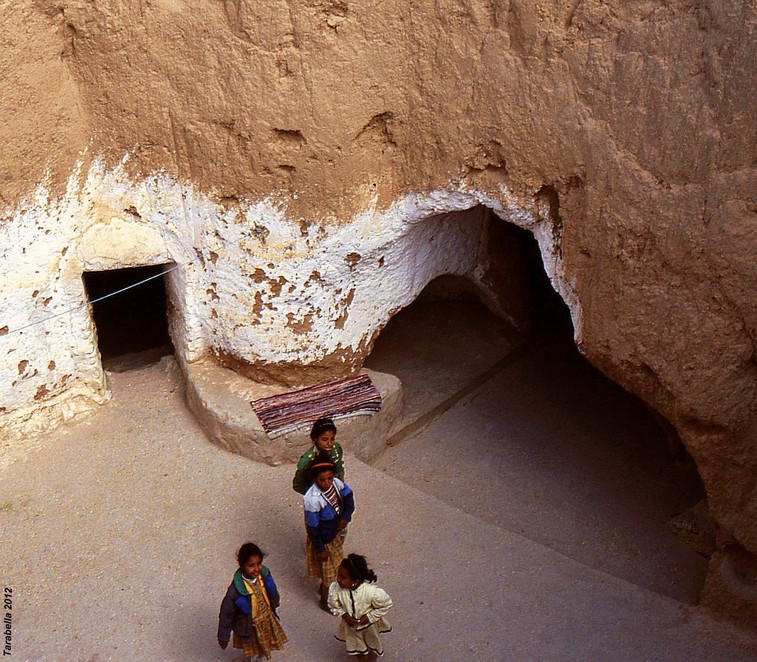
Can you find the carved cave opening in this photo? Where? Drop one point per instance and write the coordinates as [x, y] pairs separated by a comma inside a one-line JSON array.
[[530, 436], [132, 325]]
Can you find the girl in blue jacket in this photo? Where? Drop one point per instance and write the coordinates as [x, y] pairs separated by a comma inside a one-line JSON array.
[[249, 608], [329, 505]]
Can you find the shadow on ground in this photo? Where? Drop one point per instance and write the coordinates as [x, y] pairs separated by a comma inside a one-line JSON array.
[[547, 447]]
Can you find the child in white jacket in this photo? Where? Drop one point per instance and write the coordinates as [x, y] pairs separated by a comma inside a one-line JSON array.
[[360, 606]]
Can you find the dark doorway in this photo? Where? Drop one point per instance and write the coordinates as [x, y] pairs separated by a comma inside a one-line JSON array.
[[132, 325]]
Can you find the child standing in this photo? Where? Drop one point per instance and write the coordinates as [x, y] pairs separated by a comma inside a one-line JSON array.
[[360, 606], [323, 436], [329, 505], [249, 608]]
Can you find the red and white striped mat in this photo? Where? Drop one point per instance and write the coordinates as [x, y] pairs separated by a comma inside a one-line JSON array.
[[340, 398]]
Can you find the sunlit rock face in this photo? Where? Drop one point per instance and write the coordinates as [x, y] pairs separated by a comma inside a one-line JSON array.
[[305, 169]]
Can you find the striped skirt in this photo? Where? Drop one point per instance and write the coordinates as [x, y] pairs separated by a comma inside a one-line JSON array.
[[267, 634]]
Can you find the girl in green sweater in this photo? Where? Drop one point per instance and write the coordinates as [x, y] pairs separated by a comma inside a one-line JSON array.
[[323, 436]]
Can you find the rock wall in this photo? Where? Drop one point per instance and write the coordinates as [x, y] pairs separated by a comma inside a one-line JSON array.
[[308, 165]]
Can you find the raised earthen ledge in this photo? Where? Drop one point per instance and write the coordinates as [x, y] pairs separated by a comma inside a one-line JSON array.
[[220, 400]]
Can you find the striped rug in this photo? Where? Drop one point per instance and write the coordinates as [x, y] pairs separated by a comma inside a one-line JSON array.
[[350, 396]]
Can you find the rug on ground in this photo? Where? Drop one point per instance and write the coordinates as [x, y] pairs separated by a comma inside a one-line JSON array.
[[349, 396]]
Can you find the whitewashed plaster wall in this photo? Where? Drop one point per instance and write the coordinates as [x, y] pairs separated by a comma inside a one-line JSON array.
[[245, 279]]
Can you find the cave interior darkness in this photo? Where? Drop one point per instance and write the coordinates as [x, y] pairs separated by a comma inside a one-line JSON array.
[[132, 326]]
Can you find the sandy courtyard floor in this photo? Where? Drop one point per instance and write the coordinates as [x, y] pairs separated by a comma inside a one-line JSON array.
[[119, 536], [546, 447]]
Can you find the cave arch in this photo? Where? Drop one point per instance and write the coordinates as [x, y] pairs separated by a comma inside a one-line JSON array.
[[584, 451]]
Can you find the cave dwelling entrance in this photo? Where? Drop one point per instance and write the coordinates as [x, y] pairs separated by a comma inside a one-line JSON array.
[[132, 325], [512, 425]]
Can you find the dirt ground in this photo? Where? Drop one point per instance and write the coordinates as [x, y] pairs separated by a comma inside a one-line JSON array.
[[547, 447], [505, 530]]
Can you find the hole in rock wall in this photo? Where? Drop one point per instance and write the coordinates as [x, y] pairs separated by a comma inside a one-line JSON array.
[[513, 426], [516, 279], [132, 326]]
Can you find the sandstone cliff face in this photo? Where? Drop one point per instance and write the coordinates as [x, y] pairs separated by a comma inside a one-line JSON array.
[[43, 126], [313, 160]]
